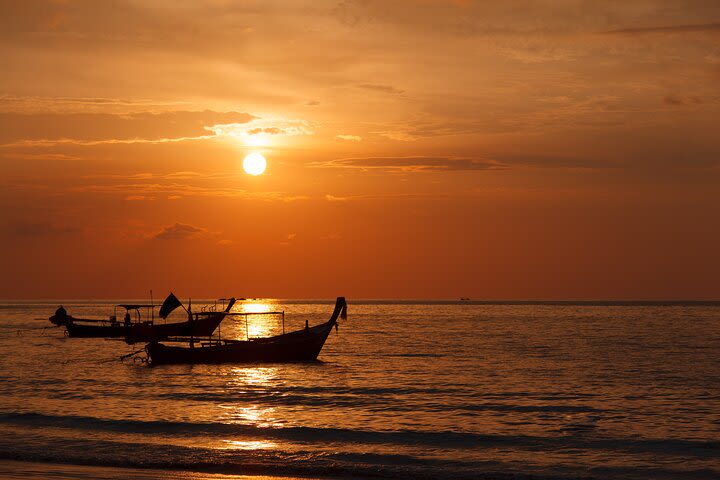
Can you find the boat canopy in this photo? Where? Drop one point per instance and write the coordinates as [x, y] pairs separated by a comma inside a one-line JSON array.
[[136, 306]]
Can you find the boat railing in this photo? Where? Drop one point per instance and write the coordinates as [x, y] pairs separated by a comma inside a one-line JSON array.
[[246, 314]]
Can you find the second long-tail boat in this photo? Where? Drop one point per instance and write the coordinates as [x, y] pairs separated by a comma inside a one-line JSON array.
[[136, 327]]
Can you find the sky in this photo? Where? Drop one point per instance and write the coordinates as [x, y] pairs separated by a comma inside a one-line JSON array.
[[559, 149]]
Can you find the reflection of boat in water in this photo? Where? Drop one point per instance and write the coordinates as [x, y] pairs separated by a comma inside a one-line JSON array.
[[139, 323], [297, 346]]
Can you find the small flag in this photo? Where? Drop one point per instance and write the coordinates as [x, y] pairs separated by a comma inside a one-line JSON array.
[[170, 304]]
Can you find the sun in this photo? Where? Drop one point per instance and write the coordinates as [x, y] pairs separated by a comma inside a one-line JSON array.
[[254, 164]]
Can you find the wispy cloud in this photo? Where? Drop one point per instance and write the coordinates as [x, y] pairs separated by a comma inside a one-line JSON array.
[[419, 164], [47, 129], [673, 99], [110, 141], [352, 138], [703, 27], [268, 130], [412, 164], [15, 155], [259, 130], [179, 231], [381, 88], [334, 198], [398, 135], [174, 191], [60, 104]]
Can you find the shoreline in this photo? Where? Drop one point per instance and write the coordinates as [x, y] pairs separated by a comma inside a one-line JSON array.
[[22, 470]]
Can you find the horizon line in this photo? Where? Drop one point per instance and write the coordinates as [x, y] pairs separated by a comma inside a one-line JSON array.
[[468, 300]]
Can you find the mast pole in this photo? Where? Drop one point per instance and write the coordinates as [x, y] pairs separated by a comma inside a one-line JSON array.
[[190, 319]]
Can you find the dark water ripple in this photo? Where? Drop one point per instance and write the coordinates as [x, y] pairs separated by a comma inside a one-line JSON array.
[[326, 435]]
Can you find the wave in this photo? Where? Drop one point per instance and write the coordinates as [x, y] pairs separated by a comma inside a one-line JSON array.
[[324, 435], [313, 463], [296, 463], [339, 399]]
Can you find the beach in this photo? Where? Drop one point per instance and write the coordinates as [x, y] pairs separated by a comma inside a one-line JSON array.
[[12, 470]]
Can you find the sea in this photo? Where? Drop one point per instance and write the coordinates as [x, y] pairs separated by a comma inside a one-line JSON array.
[[403, 390]]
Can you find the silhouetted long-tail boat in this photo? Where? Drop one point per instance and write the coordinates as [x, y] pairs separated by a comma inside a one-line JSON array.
[[200, 324], [298, 346]]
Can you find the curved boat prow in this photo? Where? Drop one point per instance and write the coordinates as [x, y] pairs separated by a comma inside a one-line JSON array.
[[230, 304], [340, 311]]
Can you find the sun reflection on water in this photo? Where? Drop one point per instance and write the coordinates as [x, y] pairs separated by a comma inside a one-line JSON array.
[[257, 325], [247, 444], [252, 381], [255, 307], [255, 376]]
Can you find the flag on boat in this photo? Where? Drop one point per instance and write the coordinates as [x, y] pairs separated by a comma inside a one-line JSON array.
[[170, 304]]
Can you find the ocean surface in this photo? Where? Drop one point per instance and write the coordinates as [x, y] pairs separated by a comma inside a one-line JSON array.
[[403, 390]]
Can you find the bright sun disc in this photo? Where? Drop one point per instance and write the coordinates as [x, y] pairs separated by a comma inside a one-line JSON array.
[[254, 164]]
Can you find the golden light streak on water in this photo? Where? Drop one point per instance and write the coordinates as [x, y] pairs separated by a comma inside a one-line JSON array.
[[258, 325], [247, 444]]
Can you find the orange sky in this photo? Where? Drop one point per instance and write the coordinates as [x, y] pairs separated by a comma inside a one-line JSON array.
[[557, 149]]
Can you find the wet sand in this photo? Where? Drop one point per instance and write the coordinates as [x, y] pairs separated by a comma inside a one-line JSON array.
[[15, 470]]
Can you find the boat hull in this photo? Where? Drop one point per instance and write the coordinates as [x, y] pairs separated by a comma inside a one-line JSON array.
[[143, 332], [80, 330], [200, 327]]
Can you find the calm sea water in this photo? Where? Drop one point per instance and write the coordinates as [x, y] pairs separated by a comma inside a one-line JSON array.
[[423, 390]]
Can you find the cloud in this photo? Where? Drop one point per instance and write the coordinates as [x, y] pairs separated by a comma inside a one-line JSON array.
[[412, 164], [268, 130], [353, 138], [131, 198], [703, 27], [179, 231], [43, 104], [536, 160], [399, 136], [89, 143], [454, 164], [382, 88], [256, 131], [174, 191], [53, 156], [672, 99], [108, 128], [333, 198]]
